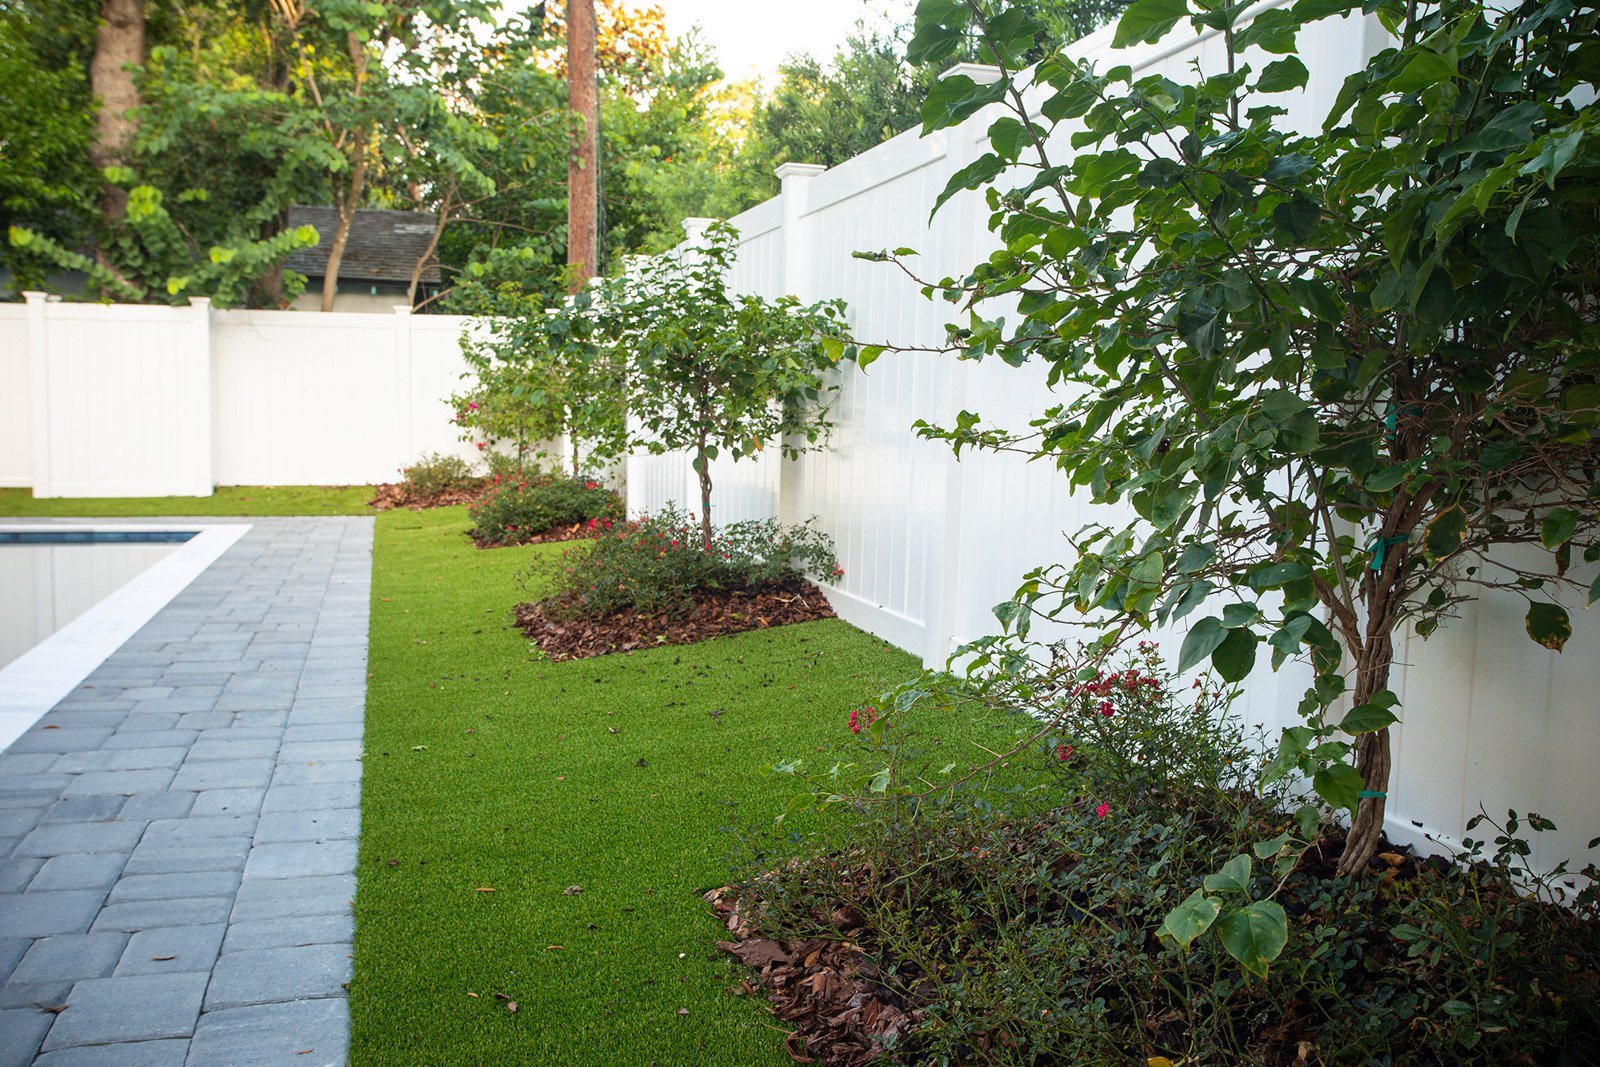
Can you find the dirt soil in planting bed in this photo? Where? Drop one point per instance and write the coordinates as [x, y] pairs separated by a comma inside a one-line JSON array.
[[828, 990], [392, 495], [714, 614]]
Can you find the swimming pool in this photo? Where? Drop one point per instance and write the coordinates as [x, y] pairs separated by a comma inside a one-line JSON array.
[[71, 593]]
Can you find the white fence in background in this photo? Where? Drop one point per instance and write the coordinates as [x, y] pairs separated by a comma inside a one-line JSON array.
[[929, 545], [127, 400]]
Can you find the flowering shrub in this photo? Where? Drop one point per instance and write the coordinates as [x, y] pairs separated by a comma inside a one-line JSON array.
[[435, 473], [1022, 911], [513, 511], [659, 563]]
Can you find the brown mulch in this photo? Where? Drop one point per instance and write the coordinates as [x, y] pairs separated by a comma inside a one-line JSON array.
[[827, 989], [714, 614], [392, 495], [556, 533]]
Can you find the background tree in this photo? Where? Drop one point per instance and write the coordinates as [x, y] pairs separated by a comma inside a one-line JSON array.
[[1345, 380]]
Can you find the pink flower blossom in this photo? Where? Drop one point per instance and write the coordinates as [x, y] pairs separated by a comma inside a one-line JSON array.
[[1064, 752], [1102, 811]]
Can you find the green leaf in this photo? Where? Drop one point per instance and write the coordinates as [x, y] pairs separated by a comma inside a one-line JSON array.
[[1558, 527], [1190, 919], [1297, 217], [1234, 657], [1548, 624], [1202, 640], [1426, 68], [1234, 875], [1368, 718], [1340, 785], [1267, 849], [1282, 76], [1147, 21], [1255, 935], [1445, 533]]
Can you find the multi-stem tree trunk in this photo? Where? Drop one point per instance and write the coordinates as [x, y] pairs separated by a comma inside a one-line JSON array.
[[1372, 760], [583, 157], [702, 468], [118, 46]]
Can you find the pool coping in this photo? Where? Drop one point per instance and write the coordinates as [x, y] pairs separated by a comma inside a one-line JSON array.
[[37, 680]]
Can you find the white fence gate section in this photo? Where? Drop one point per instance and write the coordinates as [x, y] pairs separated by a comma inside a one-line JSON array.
[[929, 545]]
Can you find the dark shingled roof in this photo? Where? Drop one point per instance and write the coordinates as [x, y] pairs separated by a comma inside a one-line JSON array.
[[384, 246]]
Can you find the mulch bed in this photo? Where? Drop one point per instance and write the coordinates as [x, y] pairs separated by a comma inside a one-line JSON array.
[[714, 614], [828, 990], [392, 495], [555, 533]]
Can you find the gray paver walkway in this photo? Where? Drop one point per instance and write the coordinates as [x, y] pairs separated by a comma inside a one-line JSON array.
[[178, 835]]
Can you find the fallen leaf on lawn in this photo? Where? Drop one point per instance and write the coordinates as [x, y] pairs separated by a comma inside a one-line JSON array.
[[683, 1011], [572, 890], [474, 996], [641, 763], [419, 748], [511, 1006], [555, 948], [163, 959], [612, 730], [485, 889], [561, 777]]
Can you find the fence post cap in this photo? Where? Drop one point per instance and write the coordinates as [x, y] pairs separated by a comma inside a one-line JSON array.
[[798, 170], [982, 73]]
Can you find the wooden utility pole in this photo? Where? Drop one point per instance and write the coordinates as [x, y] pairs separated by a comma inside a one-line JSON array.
[[583, 168]]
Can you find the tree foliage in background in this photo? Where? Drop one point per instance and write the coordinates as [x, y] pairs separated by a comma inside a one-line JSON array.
[[1344, 380]]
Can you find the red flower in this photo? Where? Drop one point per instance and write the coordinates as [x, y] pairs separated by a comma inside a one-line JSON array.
[[1064, 752], [1102, 811], [591, 485], [1106, 709]]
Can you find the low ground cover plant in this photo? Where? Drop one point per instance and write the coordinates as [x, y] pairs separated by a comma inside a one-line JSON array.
[[1046, 911], [634, 584], [535, 507], [434, 480], [658, 565]]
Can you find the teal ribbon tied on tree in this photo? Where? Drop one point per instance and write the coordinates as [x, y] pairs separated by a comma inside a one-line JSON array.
[[1381, 545]]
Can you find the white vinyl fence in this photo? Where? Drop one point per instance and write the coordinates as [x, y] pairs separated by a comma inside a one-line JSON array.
[[127, 400], [929, 545]]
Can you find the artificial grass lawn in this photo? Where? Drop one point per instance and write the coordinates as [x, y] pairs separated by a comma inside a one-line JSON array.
[[226, 500], [489, 769]]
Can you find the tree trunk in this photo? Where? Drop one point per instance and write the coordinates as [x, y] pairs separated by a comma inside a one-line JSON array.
[[1372, 759], [118, 45], [583, 183], [702, 467], [433, 246], [347, 215]]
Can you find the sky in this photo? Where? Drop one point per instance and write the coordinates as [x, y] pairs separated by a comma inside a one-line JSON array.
[[751, 37]]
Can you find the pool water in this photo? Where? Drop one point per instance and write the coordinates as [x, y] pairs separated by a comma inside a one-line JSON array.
[[48, 579]]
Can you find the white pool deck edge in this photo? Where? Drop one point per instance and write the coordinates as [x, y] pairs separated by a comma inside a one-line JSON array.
[[37, 680]]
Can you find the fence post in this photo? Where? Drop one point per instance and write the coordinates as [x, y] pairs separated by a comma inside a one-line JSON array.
[[203, 472], [39, 394], [966, 143], [793, 182]]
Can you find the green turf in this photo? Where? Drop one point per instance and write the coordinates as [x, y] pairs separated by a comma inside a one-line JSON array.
[[489, 769], [227, 500]]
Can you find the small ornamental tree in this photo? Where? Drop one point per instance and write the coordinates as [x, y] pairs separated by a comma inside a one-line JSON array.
[[711, 371], [1334, 374], [534, 374]]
